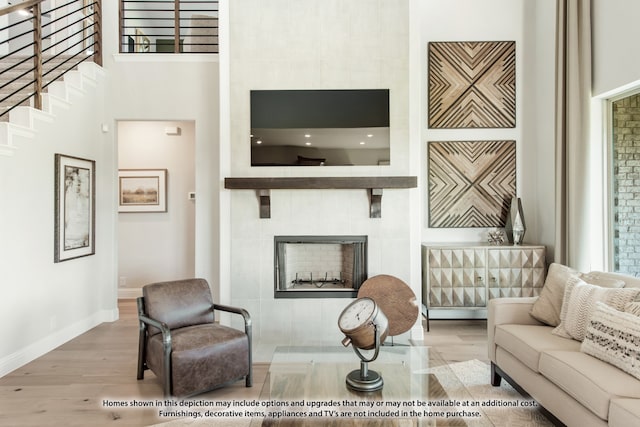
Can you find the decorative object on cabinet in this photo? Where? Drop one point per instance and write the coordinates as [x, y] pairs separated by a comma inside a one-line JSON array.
[[75, 207], [472, 84], [142, 190], [465, 276], [515, 226], [470, 183], [495, 237]]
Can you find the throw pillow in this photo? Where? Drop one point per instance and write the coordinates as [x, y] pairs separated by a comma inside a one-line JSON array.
[[633, 308], [579, 304], [600, 279], [614, 337], [549, 304]]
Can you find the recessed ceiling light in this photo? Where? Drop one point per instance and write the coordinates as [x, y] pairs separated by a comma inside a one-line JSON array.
[[370, 135], [259, 142], [306, 135], [361, 142], [251, 135], [307, 143]]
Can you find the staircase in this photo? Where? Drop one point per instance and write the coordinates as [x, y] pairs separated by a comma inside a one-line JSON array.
[[21, 121]]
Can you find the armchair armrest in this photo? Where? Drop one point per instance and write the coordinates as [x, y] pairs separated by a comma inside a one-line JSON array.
[[166, 347], [502, 311], [247, 330], [241, 311]]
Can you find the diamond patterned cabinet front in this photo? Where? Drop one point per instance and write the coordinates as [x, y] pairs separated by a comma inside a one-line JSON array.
[[466, 276]]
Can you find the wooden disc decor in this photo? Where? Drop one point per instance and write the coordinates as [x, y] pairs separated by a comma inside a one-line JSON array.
[[396, 300]]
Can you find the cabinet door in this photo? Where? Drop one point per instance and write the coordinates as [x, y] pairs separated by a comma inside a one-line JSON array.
[[456, 277], [515, 272]]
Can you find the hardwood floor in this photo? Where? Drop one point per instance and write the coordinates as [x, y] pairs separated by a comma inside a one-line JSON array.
[[70, 385]]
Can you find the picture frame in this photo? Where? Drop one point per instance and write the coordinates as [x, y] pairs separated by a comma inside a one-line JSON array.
[[74, 206], [143, 43], [142, 190]]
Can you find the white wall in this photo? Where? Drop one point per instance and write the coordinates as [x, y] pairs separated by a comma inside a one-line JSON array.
[[531, 25], [45, 304], [158, 246], [615, 34], [191, 96], [316, 44]]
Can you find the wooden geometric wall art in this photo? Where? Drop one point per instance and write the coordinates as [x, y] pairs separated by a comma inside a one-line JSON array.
[[472, 85], [471, 183]]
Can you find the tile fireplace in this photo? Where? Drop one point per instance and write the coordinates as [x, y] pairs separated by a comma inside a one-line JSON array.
[[319, 266]]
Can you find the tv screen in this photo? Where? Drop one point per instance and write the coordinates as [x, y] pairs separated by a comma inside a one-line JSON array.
[[320, 127]]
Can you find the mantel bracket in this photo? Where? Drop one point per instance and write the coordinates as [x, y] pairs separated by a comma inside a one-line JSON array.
[[375, 203], [265, 203]]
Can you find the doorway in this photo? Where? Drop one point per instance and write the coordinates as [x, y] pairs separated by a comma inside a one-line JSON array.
[[156, 228]]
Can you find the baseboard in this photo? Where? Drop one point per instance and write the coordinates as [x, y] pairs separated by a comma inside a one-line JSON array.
[[33, 351]]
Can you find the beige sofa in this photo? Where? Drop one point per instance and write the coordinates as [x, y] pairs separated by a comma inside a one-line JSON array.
[[574, 388]]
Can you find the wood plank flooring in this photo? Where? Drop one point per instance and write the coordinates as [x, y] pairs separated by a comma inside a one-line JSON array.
[[69, 385]]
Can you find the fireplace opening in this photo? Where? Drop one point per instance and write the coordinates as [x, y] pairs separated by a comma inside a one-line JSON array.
[[319, 266]]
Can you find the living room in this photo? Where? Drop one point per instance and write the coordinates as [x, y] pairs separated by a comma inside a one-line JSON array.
[[304, 45]]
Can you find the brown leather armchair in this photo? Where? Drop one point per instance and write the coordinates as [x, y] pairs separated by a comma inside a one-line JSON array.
[[181, 343]]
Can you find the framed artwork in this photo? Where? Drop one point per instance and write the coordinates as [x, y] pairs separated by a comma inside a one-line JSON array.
[[87, 6], [472, 85], [143, 44], [75, 207], [471, 183], [142, 190]]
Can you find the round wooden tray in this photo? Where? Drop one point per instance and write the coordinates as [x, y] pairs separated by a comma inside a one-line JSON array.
[[396, 300]]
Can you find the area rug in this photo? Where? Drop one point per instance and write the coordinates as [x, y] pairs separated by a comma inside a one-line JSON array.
[[471, 383], [475, 376]]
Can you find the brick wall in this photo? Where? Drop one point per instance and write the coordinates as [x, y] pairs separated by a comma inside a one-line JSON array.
[[626, 170]]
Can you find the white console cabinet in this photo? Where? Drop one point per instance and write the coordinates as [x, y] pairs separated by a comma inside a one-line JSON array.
[[466, 276]]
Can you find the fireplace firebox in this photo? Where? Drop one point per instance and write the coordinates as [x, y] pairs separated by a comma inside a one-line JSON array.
[[319, 266]]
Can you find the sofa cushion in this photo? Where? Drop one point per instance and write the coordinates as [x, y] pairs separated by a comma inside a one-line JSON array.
[[614, 337], [590, 381], [624, 412], [527, 342], [579, 304]]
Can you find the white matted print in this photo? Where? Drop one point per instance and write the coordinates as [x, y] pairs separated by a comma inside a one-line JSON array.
[[74, 228], [142, 190]]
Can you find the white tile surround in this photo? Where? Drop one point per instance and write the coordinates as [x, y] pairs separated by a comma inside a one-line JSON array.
[[309, 37]]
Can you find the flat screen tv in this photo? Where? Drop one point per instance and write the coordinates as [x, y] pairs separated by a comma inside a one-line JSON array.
[[320, 127]]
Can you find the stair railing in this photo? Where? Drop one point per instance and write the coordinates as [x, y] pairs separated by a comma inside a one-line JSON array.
[[168, 26], [40, 43]]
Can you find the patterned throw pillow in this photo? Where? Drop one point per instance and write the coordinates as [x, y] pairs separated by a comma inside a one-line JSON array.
[[633, 308], [579, 302], [614, 337]]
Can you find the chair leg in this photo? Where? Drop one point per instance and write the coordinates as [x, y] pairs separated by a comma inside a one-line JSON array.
[[142, 343], [249, 331]]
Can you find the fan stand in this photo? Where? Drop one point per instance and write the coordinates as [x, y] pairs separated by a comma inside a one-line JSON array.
[[364, 379]]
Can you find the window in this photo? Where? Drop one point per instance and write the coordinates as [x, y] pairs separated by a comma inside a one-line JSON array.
[[626, 184]]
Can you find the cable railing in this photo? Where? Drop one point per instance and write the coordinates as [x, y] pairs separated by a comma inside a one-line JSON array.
[[40, 43], [168, 26]]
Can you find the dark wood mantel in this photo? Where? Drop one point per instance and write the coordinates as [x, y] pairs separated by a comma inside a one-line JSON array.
[[375, 185]]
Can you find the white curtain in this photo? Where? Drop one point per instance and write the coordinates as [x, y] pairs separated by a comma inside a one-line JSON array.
[[573, 95]]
